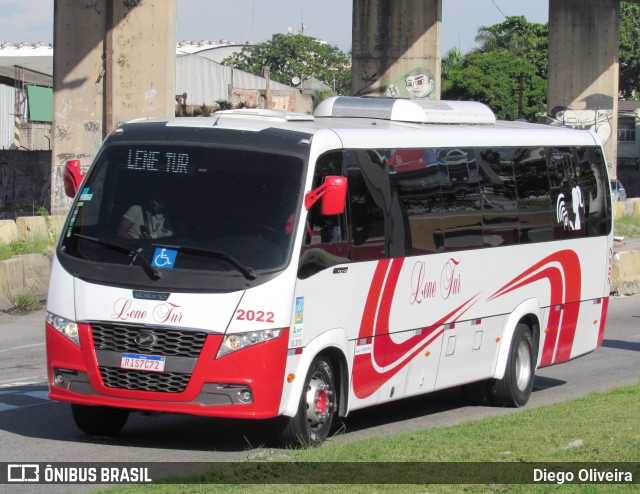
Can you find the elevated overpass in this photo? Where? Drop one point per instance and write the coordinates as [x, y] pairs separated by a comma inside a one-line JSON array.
[[114, 61], [395, 43]]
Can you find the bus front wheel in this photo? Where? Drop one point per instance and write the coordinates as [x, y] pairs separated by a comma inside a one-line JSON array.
[[311, 424], [514, 389], [99, 420]]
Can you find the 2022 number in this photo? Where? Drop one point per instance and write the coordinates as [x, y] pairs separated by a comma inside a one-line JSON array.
[[258, 316]]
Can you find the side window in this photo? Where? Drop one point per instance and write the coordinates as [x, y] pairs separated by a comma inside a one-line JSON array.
[[566, 193], [418, 186], [323, 229], [366, 219], [499, 199], [535, 211], [324, 243], [461, 201], [595, 191]]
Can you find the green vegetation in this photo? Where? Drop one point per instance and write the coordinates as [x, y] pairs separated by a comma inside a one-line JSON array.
[[296, 55], [508, 70], [39, 245], [627, 225], [26, 303], [630, 50], [42, 244], [601, 427], [319, 97]]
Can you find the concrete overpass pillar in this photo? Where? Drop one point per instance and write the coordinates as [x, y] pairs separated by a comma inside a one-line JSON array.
[[113, 61], [583, 68], [396, 48]]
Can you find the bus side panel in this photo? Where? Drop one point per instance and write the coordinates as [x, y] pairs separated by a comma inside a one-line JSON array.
[[331, 301], [470, 351], [423, 369], [453, 315]]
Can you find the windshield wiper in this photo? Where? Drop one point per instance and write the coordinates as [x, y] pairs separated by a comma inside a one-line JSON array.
[[152, 271], [248, 272]]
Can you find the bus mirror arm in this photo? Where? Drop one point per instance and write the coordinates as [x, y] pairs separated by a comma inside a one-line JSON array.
[[72, 177], [333, 193]]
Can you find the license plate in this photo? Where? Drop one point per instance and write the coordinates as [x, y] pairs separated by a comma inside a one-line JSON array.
[[135, 361]]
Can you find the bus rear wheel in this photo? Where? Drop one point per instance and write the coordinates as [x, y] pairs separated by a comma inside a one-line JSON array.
[[98, 420], [311, 424], [514, 389]]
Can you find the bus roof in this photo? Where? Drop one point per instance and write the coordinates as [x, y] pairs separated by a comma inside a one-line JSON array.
[[387, 122]]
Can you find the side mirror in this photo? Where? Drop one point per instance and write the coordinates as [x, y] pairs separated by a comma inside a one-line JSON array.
[[72, 177], [333, 193]]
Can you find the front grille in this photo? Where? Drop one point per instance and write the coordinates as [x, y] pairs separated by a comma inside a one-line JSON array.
[[166, 342], [164, 382], [169, 342]]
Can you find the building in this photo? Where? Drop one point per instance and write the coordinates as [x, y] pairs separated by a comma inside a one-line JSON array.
[[629, 146], [26, 89], [26, 96]]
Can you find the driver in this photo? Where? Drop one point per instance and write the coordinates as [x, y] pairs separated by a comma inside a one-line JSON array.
[[145, 221]]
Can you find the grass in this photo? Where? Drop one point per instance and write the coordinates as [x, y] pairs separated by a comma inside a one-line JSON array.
[[40, 245], [601, 427], [627, 225], [26, 303]]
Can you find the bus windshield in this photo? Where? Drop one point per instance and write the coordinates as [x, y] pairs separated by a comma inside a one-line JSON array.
[[162, 211]]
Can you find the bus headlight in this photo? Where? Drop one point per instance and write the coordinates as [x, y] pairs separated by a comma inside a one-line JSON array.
[[64, 327], [238, 341]]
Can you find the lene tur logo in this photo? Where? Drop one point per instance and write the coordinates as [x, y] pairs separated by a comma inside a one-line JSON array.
[[23, 472], [146, 339], [562, 214]]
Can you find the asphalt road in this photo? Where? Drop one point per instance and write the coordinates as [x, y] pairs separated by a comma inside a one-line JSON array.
[[34, 429]]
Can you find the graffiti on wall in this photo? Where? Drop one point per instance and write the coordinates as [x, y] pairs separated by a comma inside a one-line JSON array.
[[417, 83], [25, 181], [7, 182], [596, 115]]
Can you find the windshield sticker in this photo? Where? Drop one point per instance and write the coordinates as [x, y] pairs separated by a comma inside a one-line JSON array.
[[296, 333], [86, 196], [164, 258], [299, 319]]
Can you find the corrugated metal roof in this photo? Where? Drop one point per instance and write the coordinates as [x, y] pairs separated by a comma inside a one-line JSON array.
[[7, 109], [206, 82], [628, 105], [37, 58], [215, 52]]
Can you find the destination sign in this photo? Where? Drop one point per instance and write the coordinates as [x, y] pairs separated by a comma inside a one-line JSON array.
[[158, 161]]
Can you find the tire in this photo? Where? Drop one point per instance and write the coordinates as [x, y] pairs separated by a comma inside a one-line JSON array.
[[316, 411], [478, 393], [99, 421], [514, 389]]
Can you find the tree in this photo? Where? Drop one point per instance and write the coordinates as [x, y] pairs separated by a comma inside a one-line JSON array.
[[520, 38], [507, 71], [509, 85], [450, 63], [296, 55], [630, 50]]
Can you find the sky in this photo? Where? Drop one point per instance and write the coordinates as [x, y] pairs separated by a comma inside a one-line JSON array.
[[256, 20]]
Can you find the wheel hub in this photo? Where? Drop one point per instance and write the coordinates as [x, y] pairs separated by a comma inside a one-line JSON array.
[[319, 402], [523, 366]]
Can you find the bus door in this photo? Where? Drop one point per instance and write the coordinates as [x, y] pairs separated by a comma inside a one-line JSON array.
[[380, 232]]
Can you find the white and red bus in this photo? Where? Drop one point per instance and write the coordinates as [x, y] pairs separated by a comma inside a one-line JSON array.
[[278, 265]]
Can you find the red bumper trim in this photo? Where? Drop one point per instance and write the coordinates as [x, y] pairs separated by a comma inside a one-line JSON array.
[[260, 367]]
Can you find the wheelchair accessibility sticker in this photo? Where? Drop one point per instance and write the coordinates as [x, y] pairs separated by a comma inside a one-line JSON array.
[[164, 258]]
